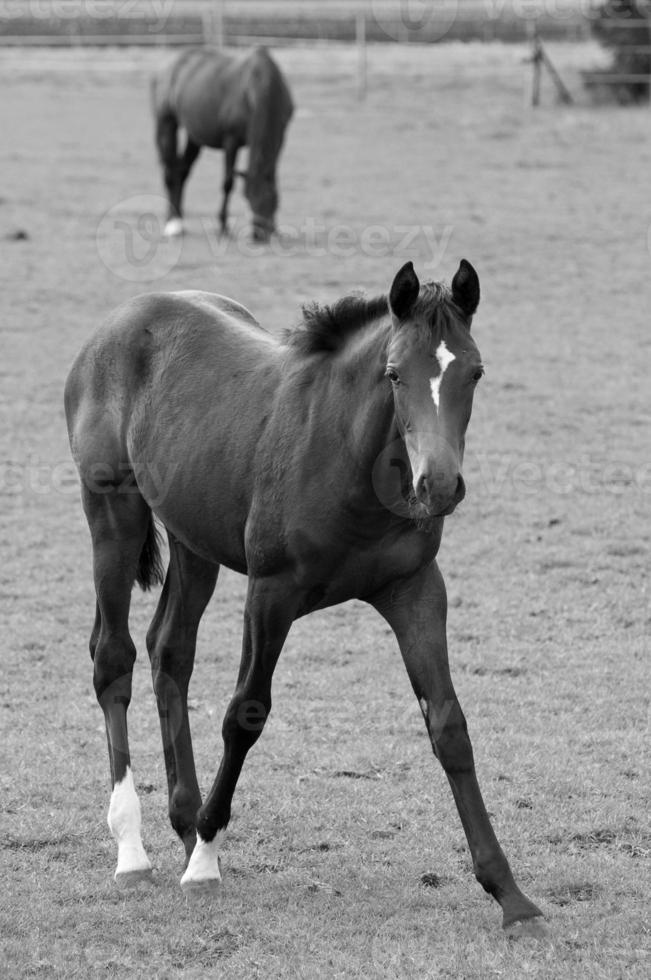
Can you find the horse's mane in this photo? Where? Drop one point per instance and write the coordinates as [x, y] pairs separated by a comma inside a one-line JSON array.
[[326, 328]]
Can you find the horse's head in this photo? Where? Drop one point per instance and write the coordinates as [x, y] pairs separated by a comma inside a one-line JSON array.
[[262, 195], [433, 366]]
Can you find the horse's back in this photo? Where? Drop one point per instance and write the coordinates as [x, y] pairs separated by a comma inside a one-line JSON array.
[[205, 91], [210, 92], [157, 354]]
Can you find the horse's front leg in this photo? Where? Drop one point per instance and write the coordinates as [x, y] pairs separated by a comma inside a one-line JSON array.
[[416, 610], [230, 156]]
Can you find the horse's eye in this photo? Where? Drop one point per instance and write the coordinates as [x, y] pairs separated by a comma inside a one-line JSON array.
[[478, 375], [393, 376]]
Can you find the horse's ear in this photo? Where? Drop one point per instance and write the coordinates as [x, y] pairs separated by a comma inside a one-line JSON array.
[[404, 292], [465, 288]]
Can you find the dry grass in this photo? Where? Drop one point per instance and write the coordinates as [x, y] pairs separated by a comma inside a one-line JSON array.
[[547, 567]]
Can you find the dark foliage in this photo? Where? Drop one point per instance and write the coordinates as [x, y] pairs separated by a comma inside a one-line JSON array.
[[624, 27]]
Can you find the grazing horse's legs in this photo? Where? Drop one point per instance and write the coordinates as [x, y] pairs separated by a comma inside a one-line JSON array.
[[118, 526], [268, 615], [230, 155], [416, 610], [175, 169], [171, 642], [166, 133], [186, 163]]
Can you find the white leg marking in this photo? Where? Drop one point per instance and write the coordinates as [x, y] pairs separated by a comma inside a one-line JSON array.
[[173, 228], [445, 358], [202, 873], [124, 823]]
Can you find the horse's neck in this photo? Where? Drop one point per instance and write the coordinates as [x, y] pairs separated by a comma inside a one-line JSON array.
[[367, 394]]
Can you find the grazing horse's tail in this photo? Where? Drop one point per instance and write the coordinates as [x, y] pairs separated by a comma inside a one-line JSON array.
[[160, 90], [150, 564]]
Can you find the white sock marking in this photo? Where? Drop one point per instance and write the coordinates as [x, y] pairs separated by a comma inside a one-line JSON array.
[[173, 228], [204, 861], [445, 358], [124, 823]]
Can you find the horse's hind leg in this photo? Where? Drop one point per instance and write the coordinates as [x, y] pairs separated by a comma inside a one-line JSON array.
[[268, 615], [185, 165], [230, 156], [171, 642], [166, 138], [120, 525]]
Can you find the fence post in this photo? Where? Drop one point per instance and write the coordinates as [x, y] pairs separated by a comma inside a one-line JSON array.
[[212, 18], [360, 37]]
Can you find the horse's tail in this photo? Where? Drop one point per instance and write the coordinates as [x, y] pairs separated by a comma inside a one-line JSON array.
[[158, 89], [150, 564]]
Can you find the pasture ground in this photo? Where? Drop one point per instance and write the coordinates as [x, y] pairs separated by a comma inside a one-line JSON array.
[[341, 809]]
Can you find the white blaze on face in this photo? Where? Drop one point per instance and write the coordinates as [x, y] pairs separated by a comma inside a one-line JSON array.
[[445, 358], [124, 823], [203, 866]]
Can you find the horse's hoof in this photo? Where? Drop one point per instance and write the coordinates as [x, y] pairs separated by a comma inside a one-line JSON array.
[[131, 879], [197, 891], [535, 928], [173, 228]]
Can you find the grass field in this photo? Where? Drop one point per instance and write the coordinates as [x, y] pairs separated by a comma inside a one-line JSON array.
[[341, 810]]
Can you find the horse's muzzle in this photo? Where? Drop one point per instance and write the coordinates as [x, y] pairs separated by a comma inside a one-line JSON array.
[[436, 503], [262, 229]]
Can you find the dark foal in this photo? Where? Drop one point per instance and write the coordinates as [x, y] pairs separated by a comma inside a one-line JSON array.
[[280, 460], [224, 102]]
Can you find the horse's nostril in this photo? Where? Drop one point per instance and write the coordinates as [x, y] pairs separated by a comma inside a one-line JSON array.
[[422, 489], [461, 488]]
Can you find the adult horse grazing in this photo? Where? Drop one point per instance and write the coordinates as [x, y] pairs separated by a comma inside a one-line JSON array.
[[321, 466], [223, 101]]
